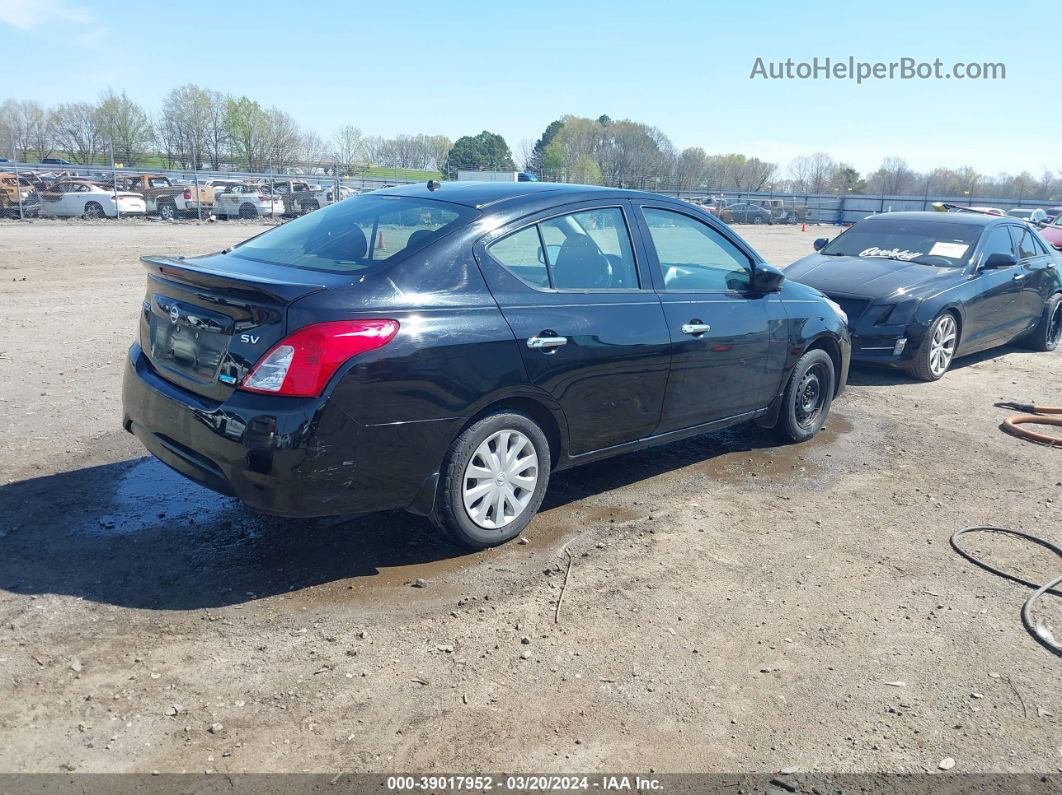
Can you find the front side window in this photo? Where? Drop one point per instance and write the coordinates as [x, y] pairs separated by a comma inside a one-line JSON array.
[[587, 250], [997, 242], [693, 256], [354, 235]]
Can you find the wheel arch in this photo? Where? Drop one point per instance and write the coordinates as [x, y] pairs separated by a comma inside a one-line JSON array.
[[553, 426], [826, 342]]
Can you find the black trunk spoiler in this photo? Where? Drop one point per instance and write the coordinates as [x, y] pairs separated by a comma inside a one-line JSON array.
[[250, 280]]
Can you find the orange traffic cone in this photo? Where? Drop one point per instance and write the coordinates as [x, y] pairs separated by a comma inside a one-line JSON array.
[[803, 227], [380, 244]]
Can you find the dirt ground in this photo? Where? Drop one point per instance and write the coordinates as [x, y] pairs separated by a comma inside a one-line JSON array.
[[732, 604]]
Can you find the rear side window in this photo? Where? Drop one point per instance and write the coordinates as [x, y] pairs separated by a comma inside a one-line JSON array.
[[1026, 247], [587, 250], [521, 253], [356, 234], [693, 256]]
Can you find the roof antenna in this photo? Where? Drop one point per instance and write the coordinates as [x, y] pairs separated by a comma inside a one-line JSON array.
[[434, 184]]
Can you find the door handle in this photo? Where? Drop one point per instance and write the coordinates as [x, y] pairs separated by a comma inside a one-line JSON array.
[[1019, 276], [695, 328], [544, 343]]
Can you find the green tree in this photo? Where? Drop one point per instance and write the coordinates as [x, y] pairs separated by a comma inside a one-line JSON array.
[[538, 154], [247, 127], [126, 125], [484, 152]]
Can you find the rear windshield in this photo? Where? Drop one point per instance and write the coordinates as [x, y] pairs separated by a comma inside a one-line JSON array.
[[939, 243], [356, 233]]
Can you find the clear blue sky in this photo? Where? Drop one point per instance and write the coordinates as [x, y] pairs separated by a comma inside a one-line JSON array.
[[459, 67]]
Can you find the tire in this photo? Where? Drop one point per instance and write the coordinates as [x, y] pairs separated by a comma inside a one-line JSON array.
[[1048, 332], [313, 205], [790, 218], [248, 211], [468, 515], [167, 211], [935, 357], [807, 397], [757, 219], [94, 210]]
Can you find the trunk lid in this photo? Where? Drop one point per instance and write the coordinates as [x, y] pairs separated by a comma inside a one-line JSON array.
[[206, 321]]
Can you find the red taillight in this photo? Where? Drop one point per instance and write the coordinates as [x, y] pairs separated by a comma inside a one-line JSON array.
[[301, 364], [187, 195], [263, 198]]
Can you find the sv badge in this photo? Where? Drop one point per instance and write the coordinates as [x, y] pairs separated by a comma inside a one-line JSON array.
[[251, 338]]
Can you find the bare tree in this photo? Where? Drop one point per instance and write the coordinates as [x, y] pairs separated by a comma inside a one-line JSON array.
[[77, 130], [892, 178], [812, 173], [349, 147], [313, 150]]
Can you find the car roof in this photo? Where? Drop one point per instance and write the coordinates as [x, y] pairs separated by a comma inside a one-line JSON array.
[[972, 219], [481, 195]]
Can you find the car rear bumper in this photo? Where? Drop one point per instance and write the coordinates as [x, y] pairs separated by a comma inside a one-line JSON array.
[[284, 456]]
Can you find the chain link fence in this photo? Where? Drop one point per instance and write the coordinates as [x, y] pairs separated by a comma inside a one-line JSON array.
[[29, 190]]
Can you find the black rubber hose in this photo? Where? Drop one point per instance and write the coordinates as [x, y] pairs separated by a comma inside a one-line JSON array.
[[1042, 637]]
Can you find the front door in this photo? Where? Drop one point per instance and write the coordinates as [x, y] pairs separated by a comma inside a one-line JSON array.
[[991, 315], [1036, 283], [586, 320], [720, 330]]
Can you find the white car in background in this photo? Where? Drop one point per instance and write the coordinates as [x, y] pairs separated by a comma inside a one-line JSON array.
[[71, 198], [1031, 214], [248, 201]]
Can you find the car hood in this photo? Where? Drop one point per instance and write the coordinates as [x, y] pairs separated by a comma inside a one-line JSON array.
[[870, 277]]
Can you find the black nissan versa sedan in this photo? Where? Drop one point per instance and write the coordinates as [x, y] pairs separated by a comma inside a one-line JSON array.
[[920, 288], [444, 348]]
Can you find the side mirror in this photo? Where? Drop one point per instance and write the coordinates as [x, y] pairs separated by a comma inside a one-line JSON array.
[[999, 260], [767, 278], [820, 243]]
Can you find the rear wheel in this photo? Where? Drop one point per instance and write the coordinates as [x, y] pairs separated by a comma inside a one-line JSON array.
[[756, 219], [493, 480], [248, 211], [167, 211], [938, 349], [93, 210], [1048, 332], [808, 396]]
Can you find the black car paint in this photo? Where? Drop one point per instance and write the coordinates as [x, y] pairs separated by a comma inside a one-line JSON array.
[[993, 306], [377, 437]]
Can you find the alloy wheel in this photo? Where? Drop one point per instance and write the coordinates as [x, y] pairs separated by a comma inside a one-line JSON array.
[[942, 345], [1054, 325], [500, 479]]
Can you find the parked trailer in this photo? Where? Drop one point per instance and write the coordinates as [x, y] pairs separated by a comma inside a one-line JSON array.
[[495, 176]]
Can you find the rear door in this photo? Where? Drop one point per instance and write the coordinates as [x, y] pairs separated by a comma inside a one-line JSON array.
[[587, 322], [720, 330]]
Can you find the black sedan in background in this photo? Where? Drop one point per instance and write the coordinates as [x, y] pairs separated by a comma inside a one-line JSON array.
[[745, 213], [443, 349], [922, 288]]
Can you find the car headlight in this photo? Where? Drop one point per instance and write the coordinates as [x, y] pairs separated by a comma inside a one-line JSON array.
[[899, 314], [837, 308]]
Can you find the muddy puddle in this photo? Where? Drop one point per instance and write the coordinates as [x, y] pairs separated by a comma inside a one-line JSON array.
[[149, 538]]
